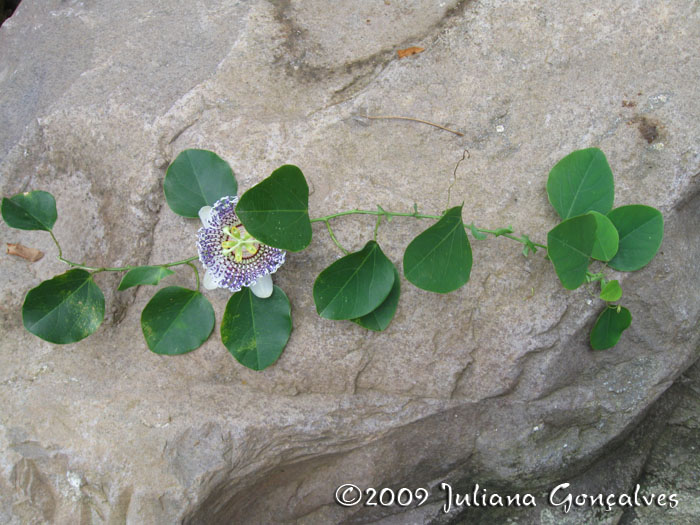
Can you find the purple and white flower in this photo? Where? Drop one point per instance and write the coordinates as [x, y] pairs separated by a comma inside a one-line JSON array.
[[231, 256]]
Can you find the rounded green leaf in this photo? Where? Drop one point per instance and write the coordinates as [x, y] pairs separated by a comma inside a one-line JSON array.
[[354, 285], [569, 247], [197, 178], [379, 318], [276, 210], [64, 309], [606, 238], [176, 321], [641, 229], [611, 292], [256, 330], [581, 182], [609, 327], [144, 275], [440, 259], [33, 210]]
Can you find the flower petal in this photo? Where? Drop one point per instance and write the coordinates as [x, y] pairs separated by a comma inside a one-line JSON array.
[[208, 281], [263, 287], [204, 214]]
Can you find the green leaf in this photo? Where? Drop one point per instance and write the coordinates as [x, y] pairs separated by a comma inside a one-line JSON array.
[[354, 285], [570, 244], [34, 210], [440, 259], [144, 275], [606, 238], [502, 231], [379, 318], [641, 229], [64, 309], [276, 210], [581, 182], [476, 233], [609, 327], [176, 321], [197, 178], [611, 292], [384, 213], [529, 246], [256, 330]]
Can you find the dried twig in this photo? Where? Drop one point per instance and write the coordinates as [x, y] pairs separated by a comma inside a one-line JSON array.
[[465, 155], [376, 117]]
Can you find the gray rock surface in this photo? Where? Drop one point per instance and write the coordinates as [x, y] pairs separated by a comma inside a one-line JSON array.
[[494, 383], [659, 457], [674, 463]]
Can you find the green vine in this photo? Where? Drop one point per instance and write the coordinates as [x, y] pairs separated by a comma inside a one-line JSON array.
[[499, 232], [242, 242]]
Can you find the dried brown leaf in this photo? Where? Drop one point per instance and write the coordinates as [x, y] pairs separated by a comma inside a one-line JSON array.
[[403, 53], [25, 252]]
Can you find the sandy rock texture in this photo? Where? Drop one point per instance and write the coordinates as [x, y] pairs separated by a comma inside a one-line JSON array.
[[493, 384]]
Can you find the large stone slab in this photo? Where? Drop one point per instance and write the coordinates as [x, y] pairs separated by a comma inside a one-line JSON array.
[[494, 383]]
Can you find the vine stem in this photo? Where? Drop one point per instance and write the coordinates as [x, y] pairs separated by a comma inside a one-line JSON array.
[[333, 237], [376, 227], [594, 277], [379, 213], [124, 268], [96, 269], [196, 272], [55, 241], [503, 232]]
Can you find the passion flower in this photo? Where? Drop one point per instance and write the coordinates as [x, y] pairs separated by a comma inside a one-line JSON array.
[[231, 256]]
